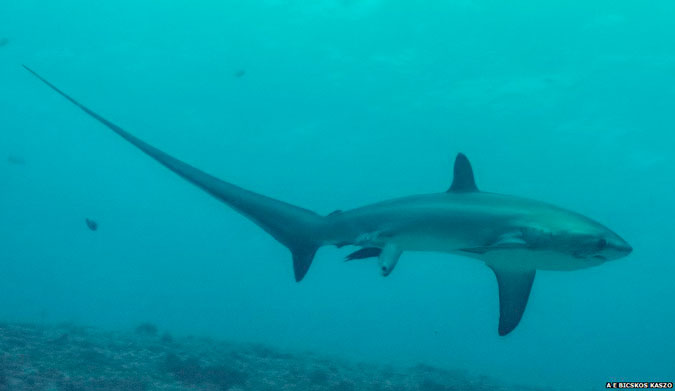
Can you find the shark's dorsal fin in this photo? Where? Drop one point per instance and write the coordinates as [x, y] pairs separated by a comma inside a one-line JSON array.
[[514, 290], [463, 181]]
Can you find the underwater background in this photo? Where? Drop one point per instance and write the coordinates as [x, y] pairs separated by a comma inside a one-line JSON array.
[[334, 104]]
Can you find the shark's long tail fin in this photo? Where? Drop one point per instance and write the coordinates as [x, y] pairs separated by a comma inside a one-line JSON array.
[[297, 228]]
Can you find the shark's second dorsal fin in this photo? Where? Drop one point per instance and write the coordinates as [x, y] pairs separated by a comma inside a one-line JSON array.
[[463, 177]]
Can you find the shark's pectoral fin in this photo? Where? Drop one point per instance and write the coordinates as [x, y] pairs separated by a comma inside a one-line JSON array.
[[514, 290], [389, 258], [512, 240]]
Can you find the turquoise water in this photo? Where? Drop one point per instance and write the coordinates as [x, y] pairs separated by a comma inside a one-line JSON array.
[[340, 104]]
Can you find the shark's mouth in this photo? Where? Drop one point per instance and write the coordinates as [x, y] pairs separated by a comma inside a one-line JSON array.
[[581, 255]]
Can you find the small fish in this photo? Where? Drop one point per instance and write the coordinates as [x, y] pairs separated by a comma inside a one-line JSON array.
[[240, 73], [91, 224]]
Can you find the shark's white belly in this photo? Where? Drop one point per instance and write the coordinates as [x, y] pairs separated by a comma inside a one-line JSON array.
[[521, 259], [512, 259]]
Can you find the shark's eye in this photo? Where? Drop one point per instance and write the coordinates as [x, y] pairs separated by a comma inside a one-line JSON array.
[[602, 243]]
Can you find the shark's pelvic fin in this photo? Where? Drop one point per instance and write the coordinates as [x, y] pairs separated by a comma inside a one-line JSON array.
[[389, 258], [514, 291], [463, 180], [297, 228]]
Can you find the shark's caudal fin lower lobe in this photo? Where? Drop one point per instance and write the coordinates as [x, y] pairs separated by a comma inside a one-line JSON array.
[[297, 228]]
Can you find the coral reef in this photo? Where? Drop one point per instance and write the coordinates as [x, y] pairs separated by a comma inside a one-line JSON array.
[[72, 358]]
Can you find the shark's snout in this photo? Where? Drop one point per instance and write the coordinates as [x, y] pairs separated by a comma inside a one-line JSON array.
[[618, 248], [626, 249]]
